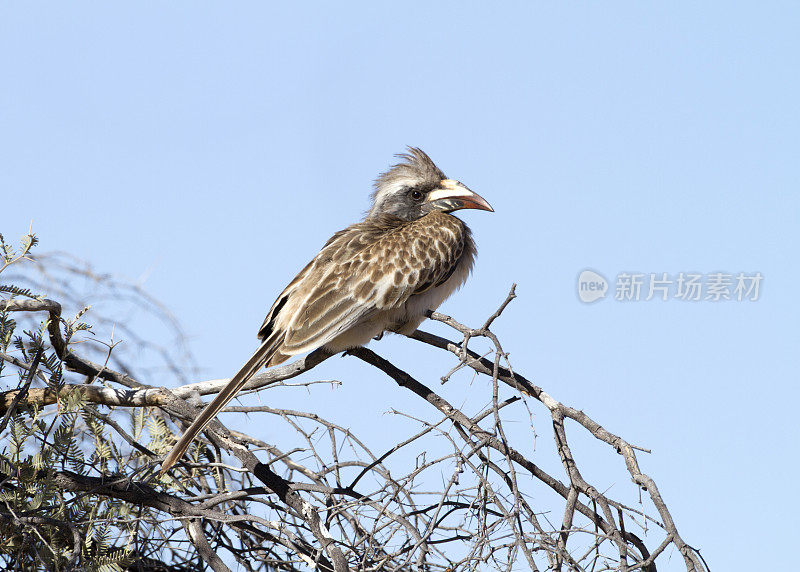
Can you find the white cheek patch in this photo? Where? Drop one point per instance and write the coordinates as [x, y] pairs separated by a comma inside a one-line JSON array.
[[395, 187]]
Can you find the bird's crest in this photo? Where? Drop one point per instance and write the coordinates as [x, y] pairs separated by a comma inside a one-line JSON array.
[[415, 166], [414, 169]]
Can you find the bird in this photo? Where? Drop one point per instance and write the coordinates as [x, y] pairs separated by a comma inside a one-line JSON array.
[[383, 274]]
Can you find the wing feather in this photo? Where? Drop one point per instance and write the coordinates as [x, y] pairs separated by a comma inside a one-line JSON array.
[[375, 273]]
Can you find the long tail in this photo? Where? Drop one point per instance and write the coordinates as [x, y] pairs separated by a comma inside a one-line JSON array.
[[261, 357]]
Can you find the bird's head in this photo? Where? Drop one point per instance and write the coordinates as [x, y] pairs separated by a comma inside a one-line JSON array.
[[416, 186]]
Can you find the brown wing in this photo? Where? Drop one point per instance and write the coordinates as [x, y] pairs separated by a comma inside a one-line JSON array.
[[367, 269], [342, 239]]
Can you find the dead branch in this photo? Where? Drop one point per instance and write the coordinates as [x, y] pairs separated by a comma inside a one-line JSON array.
[[469, 499]]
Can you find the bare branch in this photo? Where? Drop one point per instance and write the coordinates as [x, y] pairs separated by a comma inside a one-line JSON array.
[[458, 492]]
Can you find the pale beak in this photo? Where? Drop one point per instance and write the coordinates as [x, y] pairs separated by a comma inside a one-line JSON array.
[[451, 196]]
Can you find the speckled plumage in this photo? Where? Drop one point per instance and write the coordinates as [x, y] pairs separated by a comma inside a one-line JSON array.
[[367, 274], [382, 274]]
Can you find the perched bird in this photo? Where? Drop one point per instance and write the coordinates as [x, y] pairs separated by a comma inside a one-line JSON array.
[[381, 274]]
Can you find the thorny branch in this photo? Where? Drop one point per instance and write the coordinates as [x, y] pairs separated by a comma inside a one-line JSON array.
[[470, 497]]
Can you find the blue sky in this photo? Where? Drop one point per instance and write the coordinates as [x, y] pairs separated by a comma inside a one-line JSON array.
[[212, 149]]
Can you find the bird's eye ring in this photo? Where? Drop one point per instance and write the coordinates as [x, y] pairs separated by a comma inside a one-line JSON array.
[[416, 195]]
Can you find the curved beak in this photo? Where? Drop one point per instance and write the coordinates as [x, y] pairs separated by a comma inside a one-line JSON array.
[[451, 196]]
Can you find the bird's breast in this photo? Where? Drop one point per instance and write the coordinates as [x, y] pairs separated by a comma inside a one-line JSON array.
[[445, 255]]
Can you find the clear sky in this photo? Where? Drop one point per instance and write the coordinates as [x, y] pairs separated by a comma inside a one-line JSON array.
[[213, 148]]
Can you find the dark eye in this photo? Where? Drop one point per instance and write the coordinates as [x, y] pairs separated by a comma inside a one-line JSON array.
[[416, 195]]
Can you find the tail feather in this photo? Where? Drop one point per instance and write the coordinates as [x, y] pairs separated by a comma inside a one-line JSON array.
[[261, 357]]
